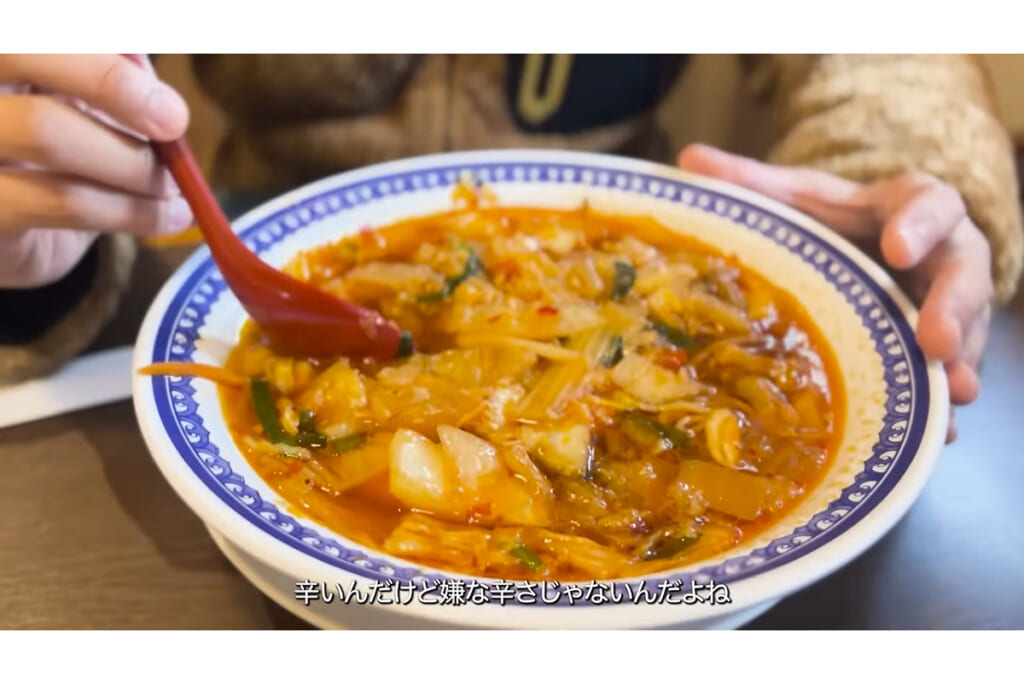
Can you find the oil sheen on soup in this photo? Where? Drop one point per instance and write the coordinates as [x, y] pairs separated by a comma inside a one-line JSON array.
[[591, 397]]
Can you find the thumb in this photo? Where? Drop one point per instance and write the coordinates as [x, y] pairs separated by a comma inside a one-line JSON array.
[[842, 205], [120, 87]]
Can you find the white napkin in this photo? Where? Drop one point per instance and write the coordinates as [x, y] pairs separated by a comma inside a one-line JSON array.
[[92, 380]]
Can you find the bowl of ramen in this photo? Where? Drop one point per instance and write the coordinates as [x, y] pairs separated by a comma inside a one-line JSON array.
[[634, 398]]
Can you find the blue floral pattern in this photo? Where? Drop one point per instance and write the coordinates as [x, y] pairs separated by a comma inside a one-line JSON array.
[[904, 366]]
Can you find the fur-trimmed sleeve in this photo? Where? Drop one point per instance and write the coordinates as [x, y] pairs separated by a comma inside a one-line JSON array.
[[43, 328], [867, 117]]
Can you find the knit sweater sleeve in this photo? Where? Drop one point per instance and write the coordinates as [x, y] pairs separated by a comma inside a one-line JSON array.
[[868, 117]]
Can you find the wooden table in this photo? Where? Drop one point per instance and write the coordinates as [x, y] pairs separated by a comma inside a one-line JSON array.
[[92, 537]]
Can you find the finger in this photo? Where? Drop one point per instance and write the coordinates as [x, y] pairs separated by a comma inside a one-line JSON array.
[[38, 257], [963, 374], [923, 212], [44, 131], [960, 291], [32, 199], [977, 339], [836, 202], [112, 83], [951, 431], [964, 385]]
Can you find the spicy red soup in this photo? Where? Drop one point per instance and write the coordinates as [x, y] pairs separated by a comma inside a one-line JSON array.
[[591, 397]]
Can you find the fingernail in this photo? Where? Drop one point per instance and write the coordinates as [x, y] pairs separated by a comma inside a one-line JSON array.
[[956, 332], [179, 214], [166, 112], [712, 151], [708, 152], [167, 185], [901, 244], [912, 233]]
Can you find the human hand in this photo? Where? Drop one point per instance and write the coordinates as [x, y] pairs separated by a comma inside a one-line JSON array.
[[75, 162], [915, 225]]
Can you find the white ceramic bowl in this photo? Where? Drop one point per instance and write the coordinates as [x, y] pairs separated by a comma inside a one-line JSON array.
[[897, 404]]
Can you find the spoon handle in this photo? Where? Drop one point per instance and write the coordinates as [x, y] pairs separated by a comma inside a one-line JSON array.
[[178, 158]]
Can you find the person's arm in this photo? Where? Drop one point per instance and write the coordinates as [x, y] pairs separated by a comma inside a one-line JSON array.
[[872, 117], [76, 189]]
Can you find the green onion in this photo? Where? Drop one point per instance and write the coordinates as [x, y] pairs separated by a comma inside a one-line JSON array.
[[473, 266], [674, 336], [435, 296], [311, 440], [673, 435], [670, 547], [308, 436], [266, 411], [614, 353], [623, 281], [291, 451], [526, 556], [405, 345], [307, 420], [348, 442]]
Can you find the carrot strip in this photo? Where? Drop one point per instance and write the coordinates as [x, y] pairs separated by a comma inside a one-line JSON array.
[[215, 374], [477, 410]]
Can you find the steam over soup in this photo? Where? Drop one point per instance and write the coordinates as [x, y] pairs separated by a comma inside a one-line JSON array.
[[590, 397]]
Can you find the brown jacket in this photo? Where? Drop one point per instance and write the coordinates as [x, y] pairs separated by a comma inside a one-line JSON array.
[[294, 118]]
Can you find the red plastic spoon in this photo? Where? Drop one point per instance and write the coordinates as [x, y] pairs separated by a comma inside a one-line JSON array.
[[298, 319]]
